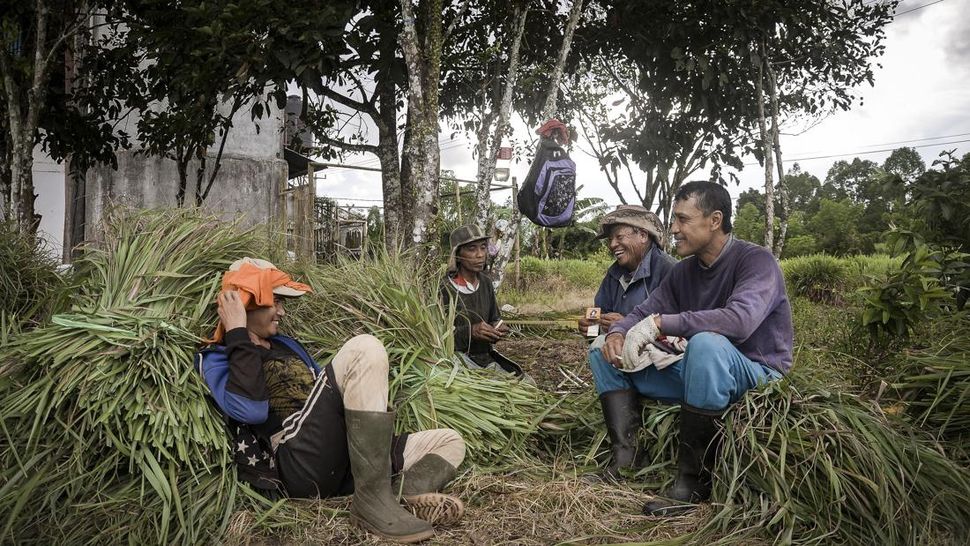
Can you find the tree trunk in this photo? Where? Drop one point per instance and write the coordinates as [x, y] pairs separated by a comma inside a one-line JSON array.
[[421, 165], [23, 117], [766, 152], [508, 241], [776, 144], [182, 166], [489, 148], [549, 110]]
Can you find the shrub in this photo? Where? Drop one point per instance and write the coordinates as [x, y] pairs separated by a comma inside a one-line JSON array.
[[819, 277], [895, 302], [31, 289]]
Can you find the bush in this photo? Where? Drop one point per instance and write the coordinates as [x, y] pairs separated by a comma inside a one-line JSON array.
[[31, 289], [818, 277]]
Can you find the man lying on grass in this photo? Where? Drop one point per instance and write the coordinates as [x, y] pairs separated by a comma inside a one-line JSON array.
[[727, 298], [306, 432], [633, 235]]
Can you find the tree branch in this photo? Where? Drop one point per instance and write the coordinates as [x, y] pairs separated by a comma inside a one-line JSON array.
[[348, 146], [454, 22], [348, 102]]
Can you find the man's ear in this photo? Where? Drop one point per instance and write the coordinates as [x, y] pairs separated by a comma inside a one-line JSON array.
[[716, 218]]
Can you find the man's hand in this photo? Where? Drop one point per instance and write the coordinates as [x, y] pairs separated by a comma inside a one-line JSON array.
[[607, 320], [638, 339], [232, 313], [483, 331], [613, 348], [584, 324]]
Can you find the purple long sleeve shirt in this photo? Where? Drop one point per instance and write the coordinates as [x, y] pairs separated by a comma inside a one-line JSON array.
[[740, 296]]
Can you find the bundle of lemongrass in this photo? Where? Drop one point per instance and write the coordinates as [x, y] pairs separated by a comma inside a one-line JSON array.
[[107, 435], [386, 298], [803, 465], [935, 386]]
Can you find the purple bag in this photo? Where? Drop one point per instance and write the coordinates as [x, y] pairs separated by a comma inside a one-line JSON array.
[[548, 195]]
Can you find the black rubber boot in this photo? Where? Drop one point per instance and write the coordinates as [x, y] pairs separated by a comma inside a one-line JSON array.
[[429, 474], [375, 508], [699, 442], [621, 410]]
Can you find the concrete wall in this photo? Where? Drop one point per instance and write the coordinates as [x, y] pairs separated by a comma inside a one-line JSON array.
[[251, 177], [49, 187], [245, 189]]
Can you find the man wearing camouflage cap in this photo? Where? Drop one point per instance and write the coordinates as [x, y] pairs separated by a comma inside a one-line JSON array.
[[633, 235]]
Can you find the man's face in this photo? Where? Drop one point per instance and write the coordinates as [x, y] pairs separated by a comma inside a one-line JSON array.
[[265, 321], [628, 245], [692, 230], [471, 256]]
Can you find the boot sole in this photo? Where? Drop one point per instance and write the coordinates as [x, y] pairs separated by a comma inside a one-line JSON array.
[[436, 508], [402, 539]]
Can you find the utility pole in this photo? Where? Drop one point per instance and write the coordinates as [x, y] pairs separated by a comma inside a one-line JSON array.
[[515, 206]]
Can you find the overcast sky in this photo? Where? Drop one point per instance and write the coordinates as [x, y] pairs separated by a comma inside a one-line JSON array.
[[921, 98]]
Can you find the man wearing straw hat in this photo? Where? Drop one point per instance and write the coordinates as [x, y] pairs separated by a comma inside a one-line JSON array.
[[634, 236], [307, 431], [727, 298]]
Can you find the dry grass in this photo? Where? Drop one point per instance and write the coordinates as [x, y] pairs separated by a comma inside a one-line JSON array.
[[529, 507]]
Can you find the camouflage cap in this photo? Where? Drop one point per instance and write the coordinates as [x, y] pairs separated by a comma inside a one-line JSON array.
[[462, 236], [635, 216]]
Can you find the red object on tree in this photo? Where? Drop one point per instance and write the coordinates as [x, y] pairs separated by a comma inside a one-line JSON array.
[[555, 130], [505, 152]]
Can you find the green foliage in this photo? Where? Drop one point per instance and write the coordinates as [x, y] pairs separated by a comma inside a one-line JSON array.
[[836, 227], [749, 223], [819, 277], [31, 289], [897, 301], [934, 385]]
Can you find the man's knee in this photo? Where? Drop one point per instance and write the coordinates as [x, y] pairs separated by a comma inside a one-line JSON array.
[[370, 353], [452, 447], [706, 344], [708, 378]]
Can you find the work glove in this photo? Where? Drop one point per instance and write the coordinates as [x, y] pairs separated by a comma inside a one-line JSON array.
[[644, 346], [636, 342]]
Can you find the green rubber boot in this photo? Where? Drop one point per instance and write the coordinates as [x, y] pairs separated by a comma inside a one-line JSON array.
[[429, 474], [375, 508]]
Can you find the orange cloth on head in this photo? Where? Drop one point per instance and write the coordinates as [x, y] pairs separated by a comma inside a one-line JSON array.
[[255, 287]]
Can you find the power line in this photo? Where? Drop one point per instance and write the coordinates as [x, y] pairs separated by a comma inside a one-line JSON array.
[[915, 140], [916, 8], [865, 153]]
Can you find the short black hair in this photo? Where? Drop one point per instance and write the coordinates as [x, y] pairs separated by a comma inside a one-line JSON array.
[[710, 197]]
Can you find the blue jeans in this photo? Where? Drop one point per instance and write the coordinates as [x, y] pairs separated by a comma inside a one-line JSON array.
[[712, 375]]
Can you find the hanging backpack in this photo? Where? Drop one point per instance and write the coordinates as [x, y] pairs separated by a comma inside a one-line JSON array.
[[548, 195]]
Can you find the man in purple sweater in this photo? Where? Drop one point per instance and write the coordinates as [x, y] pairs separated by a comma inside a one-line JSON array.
[[727, 297]]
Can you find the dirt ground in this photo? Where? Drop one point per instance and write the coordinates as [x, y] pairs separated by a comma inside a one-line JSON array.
[[557, 365]]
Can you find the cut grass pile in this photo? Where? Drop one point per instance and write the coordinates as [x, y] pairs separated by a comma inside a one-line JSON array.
[[934, 386], [107, 435]]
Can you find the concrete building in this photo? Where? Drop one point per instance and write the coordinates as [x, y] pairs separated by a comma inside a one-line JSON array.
[[250, 186]]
